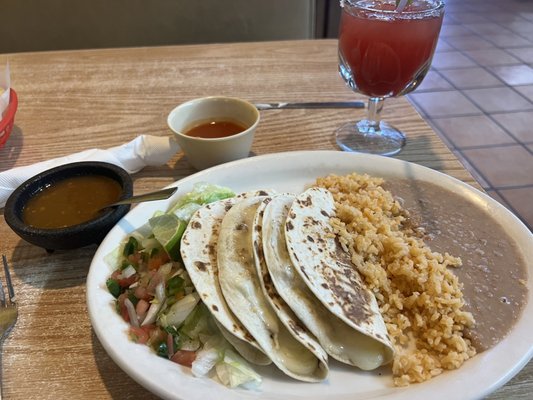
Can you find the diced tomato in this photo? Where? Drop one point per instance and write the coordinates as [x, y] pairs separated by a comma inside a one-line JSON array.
[[184, 357], [141, 308], [142, 293], [141, 334], [124, 282], [170, 345], [135, 258], [127, 282], [157, 260]]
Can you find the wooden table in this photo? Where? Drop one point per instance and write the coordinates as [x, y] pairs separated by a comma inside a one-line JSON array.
[[71, 101]]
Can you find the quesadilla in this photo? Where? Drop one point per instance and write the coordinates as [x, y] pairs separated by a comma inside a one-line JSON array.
[[282, 310], [329, 274], [242, 291], [337, 338], [198, 252]]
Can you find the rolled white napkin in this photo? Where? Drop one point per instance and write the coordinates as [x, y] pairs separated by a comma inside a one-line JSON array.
[[144, 150]]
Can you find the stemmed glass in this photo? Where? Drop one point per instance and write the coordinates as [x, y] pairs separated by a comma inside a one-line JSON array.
[[384, 51]]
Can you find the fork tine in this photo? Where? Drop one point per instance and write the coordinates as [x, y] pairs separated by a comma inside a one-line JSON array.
[[9, 284], [2, 295]]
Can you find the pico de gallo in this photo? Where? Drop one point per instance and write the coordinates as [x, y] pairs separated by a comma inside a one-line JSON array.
[[155, 295]]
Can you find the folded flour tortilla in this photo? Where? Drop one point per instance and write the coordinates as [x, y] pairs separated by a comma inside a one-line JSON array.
[[338, 339], [198, 251], [278, 305], [328, 273], [242, 290]]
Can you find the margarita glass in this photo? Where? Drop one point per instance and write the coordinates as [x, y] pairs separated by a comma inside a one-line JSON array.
[[384, 52]]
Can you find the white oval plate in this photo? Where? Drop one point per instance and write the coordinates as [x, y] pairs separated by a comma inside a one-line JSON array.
[[291, 172]]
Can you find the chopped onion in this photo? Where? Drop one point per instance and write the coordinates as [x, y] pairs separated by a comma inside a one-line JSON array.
[[128, 271], [134, 319], [190, 345], [160, 292], [156, 305]]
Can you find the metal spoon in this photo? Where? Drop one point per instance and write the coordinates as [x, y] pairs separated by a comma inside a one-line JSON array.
[[157, 195]]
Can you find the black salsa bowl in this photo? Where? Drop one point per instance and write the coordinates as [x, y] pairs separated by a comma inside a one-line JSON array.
[[75, 236]]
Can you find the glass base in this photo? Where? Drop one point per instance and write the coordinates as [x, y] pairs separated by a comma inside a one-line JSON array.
[[363, 137]]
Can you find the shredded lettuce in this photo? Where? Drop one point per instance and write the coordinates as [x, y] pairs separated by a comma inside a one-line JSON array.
[[203, 193], [179, 311], [186, 211], [198, 322], [231, 369], [211, 354], [234, 371]]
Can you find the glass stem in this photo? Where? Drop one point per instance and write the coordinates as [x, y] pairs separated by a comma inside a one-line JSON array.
[[375, 105]]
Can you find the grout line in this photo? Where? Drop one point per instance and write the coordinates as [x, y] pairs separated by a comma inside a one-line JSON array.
[[513, 187], [479, 173], [509, 132], [488, 146], [515, 212]]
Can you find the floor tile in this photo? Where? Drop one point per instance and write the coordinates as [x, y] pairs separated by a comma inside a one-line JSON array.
[[514, 74], [498, 99], [444, 104], [520, 27], [471, 42], [451, 59], [503, 17], [434, 81], [441, 135], [466, 17], [470, 168], [523, 53], [507, 40], [453, 30], [484, 8], [475, 130], [527, 15], [443, 46], [520, 200], [493, 56], [518, 124], [499, 165], [466, 78], [487, 28], [526, 91]]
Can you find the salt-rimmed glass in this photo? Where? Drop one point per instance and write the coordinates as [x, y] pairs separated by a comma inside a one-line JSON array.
[[384, 53]]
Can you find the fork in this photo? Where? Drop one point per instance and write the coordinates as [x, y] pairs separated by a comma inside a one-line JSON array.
[[8, 306], [8, 309]]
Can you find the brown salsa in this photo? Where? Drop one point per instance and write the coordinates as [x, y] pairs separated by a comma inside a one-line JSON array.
[[214, 129], [71, 201]]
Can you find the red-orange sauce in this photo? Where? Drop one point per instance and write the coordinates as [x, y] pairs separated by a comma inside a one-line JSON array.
[[214, 129]]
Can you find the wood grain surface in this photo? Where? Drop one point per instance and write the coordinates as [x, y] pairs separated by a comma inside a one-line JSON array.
[[76, 100]]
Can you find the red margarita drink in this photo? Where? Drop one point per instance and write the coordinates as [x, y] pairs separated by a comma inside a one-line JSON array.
[[385, 50], [388, 53]]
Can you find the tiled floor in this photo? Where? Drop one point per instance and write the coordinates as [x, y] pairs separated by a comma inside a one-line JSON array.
[[479, 95]]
